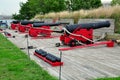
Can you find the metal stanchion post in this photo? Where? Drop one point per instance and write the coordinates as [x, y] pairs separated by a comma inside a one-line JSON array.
[[26, 36], [60, 66]]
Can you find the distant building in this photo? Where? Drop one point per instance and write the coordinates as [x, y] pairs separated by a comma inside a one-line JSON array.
[[4, 17], [106, 4], [1, 17], [7, 19]]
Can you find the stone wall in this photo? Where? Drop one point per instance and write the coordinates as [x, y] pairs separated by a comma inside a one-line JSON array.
[[47, 20], [70, 21]]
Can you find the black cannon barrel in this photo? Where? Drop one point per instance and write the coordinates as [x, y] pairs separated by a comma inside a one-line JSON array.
[[49, 24], [45, 24], [38, 21], [95, 25], [30, 22], [64, 23], [15, 22]]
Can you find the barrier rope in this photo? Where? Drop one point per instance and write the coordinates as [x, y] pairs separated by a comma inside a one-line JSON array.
[[78, 35], [103, 35]]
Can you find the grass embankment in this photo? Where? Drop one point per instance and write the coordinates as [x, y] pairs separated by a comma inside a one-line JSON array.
[[99, 13], [117, 78], [15, 65]]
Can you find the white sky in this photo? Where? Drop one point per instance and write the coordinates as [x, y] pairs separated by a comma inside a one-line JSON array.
[[9, 7], [106, 0]]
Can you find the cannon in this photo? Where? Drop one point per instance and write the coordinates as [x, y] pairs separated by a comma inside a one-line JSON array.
[[78, 34], [26, 25], [15, 25], [43, 29]]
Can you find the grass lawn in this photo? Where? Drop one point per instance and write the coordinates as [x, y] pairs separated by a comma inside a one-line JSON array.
[[116, 78], [15, 65]]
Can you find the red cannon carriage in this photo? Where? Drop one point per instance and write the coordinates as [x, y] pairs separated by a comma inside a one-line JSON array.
[[15, 25], [26, 25], [43, 29]]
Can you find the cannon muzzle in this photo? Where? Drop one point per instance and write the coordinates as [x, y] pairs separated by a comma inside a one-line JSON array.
[[95, 25]]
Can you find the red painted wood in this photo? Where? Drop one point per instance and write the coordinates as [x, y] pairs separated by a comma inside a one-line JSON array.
[[108, 43], [51, 63]]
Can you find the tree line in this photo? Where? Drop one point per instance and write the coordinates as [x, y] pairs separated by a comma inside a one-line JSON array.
[[32, 7]]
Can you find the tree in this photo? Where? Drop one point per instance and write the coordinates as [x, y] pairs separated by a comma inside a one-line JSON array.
[[53, 6], [115, 2], [32, 7], [24, 12], [84, 4], [95, 3], [16, 16]]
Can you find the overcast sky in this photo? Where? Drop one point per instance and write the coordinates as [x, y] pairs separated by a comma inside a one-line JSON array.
[[9, 7]]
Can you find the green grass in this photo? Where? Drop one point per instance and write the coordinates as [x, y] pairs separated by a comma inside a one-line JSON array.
[[15, 65], [115, 78]]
